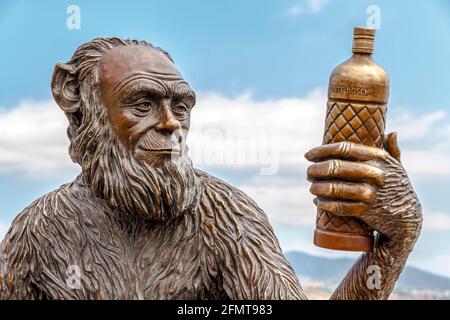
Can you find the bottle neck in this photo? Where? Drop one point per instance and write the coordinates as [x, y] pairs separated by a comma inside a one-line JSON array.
[[363, 40], [362, 56]]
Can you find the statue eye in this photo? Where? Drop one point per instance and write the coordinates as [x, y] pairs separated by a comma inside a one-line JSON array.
[[180, 108], [142, 108]]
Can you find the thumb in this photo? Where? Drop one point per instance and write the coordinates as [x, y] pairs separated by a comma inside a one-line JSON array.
[[391, 145]]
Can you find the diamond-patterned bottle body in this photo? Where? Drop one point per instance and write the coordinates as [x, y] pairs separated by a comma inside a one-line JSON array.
[[361, 123]]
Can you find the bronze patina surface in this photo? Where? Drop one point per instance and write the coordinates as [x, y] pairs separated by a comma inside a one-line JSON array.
[[140, 222]]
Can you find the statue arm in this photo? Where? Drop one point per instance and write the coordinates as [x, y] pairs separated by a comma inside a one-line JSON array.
[[372, 277]]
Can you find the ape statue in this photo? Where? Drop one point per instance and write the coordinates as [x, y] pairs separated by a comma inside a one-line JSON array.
[[140, 222]]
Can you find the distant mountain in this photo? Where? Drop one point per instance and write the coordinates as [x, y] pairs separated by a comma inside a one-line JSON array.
[[331, 271]]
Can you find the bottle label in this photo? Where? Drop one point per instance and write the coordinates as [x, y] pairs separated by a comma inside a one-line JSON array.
[[349, 90]]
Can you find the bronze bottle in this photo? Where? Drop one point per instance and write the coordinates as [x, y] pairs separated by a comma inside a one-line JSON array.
[[356, 112]]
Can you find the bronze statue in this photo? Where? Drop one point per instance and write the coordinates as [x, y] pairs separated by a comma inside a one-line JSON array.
[[141, 223]]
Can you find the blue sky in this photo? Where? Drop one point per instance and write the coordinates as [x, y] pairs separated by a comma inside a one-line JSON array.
[[267, 50], [230, 46]]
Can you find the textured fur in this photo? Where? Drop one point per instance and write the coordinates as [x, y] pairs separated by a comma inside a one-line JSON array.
[[224, 249]]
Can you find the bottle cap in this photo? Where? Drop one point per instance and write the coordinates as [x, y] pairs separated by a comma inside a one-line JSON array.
[[363, 40]]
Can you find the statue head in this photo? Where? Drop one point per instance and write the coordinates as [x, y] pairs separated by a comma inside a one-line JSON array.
[[129, 115]]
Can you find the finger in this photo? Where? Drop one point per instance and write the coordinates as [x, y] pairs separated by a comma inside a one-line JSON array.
[[391, 145], [343, 190], [352, 171], [341, 208], [345, 150]]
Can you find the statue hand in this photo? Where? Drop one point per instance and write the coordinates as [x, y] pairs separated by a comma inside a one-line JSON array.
[[370, 184]]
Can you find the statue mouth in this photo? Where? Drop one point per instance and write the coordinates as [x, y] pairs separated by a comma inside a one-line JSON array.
[[162, 151]]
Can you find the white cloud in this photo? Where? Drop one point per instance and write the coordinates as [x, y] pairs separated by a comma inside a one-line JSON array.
[[285, 200], [436, 221], [3, 230], [307, 6], [425, 142], [33, 139], [316, 5], [228, 133], [241, 133], [426, 163], [413, 127], [295, 10]]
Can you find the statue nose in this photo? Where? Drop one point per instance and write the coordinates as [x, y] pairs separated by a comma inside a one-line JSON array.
[[168, 122]]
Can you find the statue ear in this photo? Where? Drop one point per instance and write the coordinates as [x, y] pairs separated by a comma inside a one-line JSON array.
[[65, 88]]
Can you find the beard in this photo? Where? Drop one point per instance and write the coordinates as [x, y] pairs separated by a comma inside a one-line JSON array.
[[153, 187]]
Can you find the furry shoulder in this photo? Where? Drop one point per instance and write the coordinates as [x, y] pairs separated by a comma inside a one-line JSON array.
[[22, 249], [251, 261]]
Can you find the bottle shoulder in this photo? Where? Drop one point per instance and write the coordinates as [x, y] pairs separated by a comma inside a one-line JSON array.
[[359, 79]]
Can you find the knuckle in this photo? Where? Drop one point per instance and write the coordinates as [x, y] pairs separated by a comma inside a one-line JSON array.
[[338, 207], [335, 189], [344, 148], [357, 209], [382, 154], [368, 192], [373, 172], [322, 189], [379, 176], [362, 208], [333, 167]]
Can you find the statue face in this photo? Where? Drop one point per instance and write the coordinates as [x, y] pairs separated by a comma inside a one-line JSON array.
[[148, 103]]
